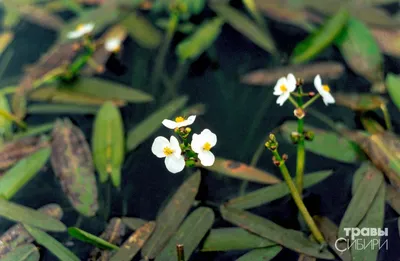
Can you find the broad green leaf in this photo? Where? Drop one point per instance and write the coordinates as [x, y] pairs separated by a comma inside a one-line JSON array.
[[134, 243], [265, 195], [190, 233], [72, 163], [393, 87], [29, 216], [362, 199], [292, 239], [227, 239], [55, 247], [20, 174], [171, 216], [245, 26], [393, 198], [147, 127], [264, 254], [134, 223], [325, 143], [34, 130], [320, 39], [204, 36], [243, 171], [360, 101], [26, 252], [360, 51], [5, 124], [108, 143], [90, 238], [62, 109]]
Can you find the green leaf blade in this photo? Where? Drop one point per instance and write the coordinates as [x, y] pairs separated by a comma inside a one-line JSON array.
[[393, 86], [26, 252], [264, 254], [90, 238]]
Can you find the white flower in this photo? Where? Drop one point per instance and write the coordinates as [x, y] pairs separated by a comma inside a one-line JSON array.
[[113, 44], [171, 151], [179, 122], [284, 87], [323, 90], [202, 143], [81, 30]]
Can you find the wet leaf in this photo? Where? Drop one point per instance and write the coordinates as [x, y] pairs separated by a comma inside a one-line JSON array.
[[265, 195], [171, 216], [288, 238], [320, 39], [33, 130], [325, 143], [264, 254], [197, 43], [62, 109], [26, 252], [25, 215], [147, 127], [190, 233], [19, 175], [393, 198], [245, 26], [5, 39], [108, 143], [134, 223], [362, 199], [227, 239], [360, 101], [90, 238], [242, 171], [134, 243], [55, 247], [72, 163], [388, 40], [393, 87], [307, 72]]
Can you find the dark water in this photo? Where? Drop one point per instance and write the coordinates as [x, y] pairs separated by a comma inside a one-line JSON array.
[[240, 115]]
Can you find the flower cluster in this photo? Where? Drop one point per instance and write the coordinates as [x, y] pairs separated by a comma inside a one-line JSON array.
[[178, 155]]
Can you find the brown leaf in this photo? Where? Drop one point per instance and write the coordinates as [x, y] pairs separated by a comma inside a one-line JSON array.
[[360, 101], [41, 17], [388, 40]]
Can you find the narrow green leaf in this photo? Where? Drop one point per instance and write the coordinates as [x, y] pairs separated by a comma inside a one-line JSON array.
[[34, 130], [359, 175], [108, 143], [264, 254], [393, 86], [147, 127], [55, 247], [5, 124], [320, 39], [265, 195], [90, 238], [26, 252], [134, 223], [227, 239], [5, 39], [191, 232], [62, 109]]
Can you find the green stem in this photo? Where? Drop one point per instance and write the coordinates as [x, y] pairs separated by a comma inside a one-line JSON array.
[[11, 117], [293, 102], [311, 101], [301, 154], [386, 116], [297, 199]]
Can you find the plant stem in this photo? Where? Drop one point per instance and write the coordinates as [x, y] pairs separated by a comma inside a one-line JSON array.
[[301, 154], [297, 199], [311, 101], [180, 252], [386, 116], [11, 117]]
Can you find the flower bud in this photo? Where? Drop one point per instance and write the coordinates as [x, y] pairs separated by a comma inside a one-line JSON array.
[[295, 137], [309, 135], [276, 162], [285, 157], [311, 94], [299, 113], [188, 130], [299, 82]]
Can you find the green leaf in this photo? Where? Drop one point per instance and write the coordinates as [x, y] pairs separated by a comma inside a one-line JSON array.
[[205, 35], [34, 130], [134, 223], [245, 26], [393, 86], [108, 143], [5, 39], [171, 216], [191, 232], [393, 198], [134, 243], [26, 252], [90, 238], [320, 39], [195, 6], [25, 215], [227, 239], [242, 171], [360, 101], [20, 174], [55, 247], [292, 239], [152, 123], [265, 195], [264, 254], [62, 109], [5, 124]]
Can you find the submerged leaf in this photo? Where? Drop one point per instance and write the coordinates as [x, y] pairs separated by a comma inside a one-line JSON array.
[[388, 40], [134, 223], [90, 238], [360, 101], [5, 124], [33, 130], [264, 254], [393, 86], [62, 109], [26, 252]]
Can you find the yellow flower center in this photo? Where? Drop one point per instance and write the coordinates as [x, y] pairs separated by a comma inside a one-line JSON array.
[[168, 151], [179, 119], [283, 88], [207, 146], [80, 27], [326, 88]]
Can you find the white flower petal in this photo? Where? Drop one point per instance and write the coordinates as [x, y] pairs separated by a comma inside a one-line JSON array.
[[88, 28], [74, 35], [291, 79], [197, 143], [169, 124], [174, 164], [318, 83], [207, 158], [112, 44], [279, 83], [328, 98], [190, 119], [209, 137], [174, 143], [281, 99], [158, 146]]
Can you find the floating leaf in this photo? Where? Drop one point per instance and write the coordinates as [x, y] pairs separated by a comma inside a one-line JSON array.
[[307, 72], [51, 244], [29, 216], [226, 239], [134, 223], [241, 171], [360, 101], [171, 216], [191, 232], [72, 162], [245, 26], [193, 46], [288, 238], [147, 127], [62, 109], [33, 130], [134, 243], [265, 195], [26, 252], [264, 254], [393, 86], [388, 40], [90, 238], [108, 141], [393, 198]]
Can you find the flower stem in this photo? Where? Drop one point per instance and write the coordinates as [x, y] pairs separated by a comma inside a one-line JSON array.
[[297, 199], [311, 101], [301, 154]]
